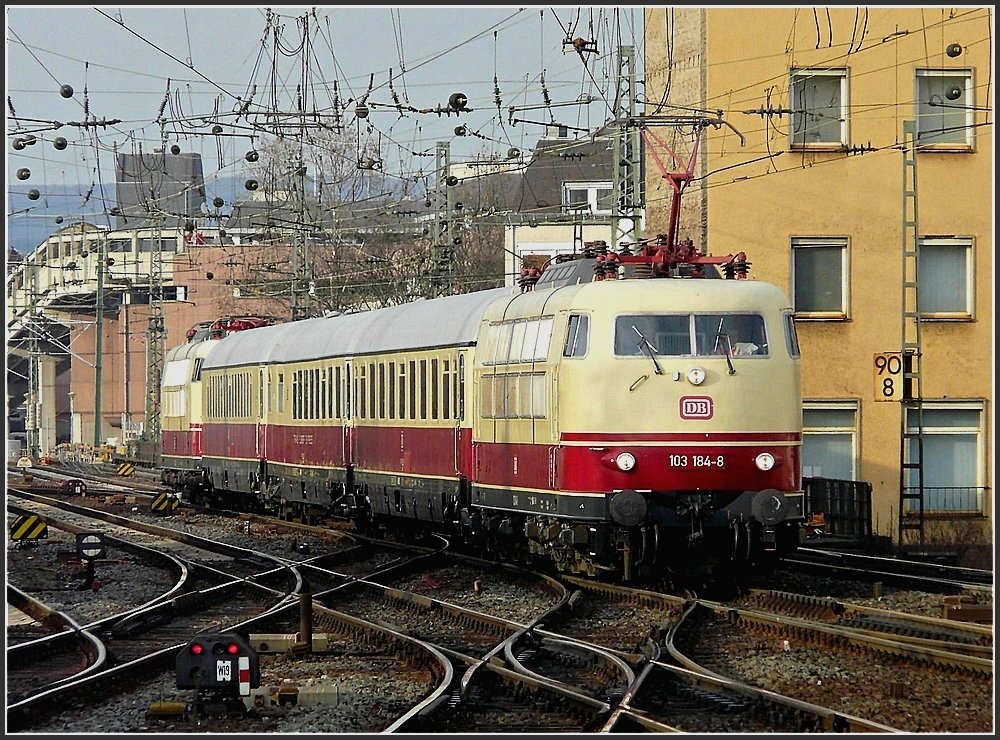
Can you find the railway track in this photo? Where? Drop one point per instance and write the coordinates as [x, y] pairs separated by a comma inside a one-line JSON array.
[[871, 568], [584, 659], [868, 676]]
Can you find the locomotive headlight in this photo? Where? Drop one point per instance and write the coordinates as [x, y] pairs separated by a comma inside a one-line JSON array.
[[696, 376], [764, 461], [625, 461]]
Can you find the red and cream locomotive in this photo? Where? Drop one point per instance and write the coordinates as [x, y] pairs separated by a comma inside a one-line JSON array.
[[618, 414]]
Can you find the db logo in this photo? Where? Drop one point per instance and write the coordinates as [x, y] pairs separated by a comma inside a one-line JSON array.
[[696, 407]]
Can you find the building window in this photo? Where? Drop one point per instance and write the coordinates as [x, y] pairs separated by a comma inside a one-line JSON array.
[[819, 277], [588, 197], [119, 245], [829, 440], [149, 245], [944, 278], [952, 441], [819, 107], [945, 108]]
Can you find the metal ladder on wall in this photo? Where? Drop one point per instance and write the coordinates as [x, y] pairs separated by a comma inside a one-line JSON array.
[[911, 439]]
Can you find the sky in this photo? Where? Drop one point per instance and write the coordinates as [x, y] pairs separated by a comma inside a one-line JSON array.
[[118, 79]]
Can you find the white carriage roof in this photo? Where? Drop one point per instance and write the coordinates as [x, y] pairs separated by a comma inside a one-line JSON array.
[[445, 321], [182, 352]]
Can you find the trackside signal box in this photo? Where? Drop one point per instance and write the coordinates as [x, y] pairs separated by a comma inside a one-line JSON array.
[[221, 662]]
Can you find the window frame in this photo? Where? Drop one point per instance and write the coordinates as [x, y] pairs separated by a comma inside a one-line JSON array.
[[802, 73], [593, 203], [853, 406], [962, 242], [979, 431], [968, 94], [813, 242]]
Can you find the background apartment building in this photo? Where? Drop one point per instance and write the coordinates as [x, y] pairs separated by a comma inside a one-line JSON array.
[[853, 136]]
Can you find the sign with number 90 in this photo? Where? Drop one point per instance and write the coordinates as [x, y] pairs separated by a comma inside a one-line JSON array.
[[888, 374]]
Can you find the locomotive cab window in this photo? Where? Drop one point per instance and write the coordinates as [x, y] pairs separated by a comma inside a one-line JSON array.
[[661, 335], [577, 334], [740, 334]]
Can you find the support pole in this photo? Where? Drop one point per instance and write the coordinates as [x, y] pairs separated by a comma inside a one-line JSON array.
[[627, 172], [99, 339]]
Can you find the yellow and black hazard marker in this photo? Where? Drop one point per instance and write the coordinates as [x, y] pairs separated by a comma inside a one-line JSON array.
[[126, 468], [28, 527], [165, 503]]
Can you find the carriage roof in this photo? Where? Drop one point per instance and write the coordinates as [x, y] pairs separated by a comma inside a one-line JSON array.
[[438, 322]]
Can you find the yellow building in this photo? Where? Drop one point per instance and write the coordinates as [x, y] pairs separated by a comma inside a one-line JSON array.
[[841, 139]]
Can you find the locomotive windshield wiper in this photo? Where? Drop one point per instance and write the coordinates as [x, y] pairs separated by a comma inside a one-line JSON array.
[[727, 345], [645, 344]]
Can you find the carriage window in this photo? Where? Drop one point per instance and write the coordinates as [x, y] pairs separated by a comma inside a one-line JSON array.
[[446, 390], [435, 403], [743, 333], [337, 407], [423, 389], [661, 335], [381, 390], [362, 395], [412, 374], [391, 387], [402, 390]]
